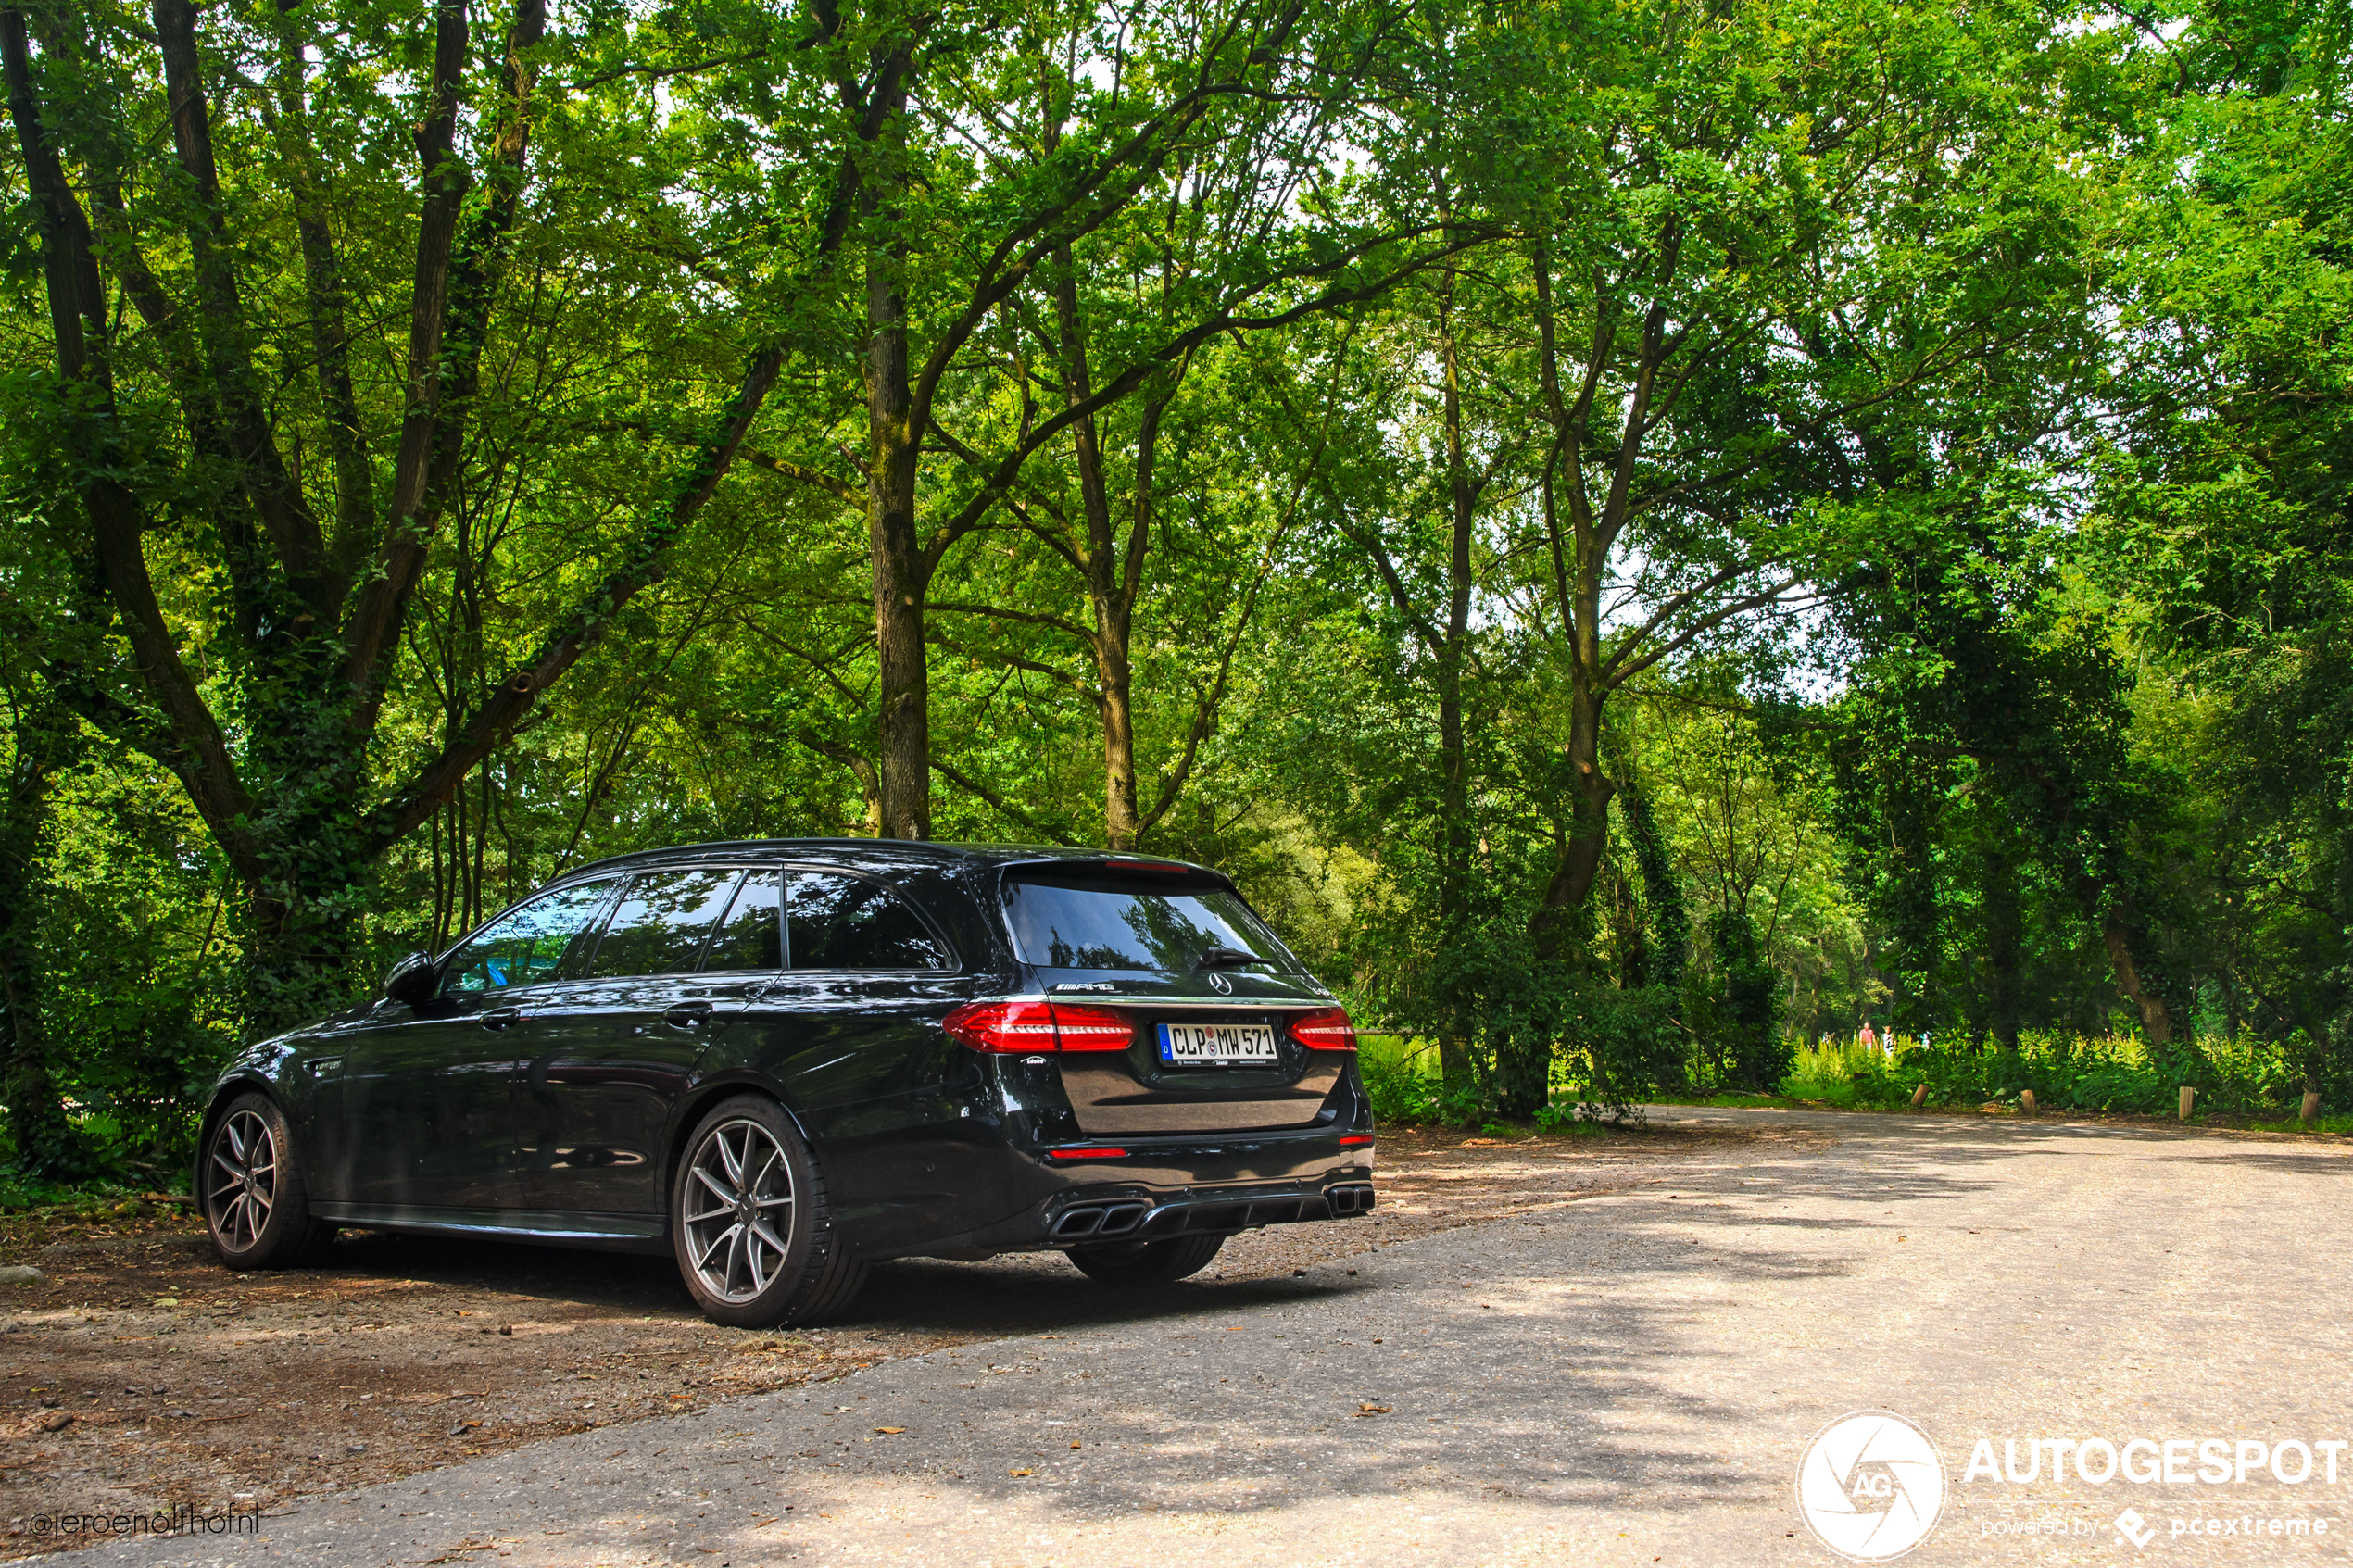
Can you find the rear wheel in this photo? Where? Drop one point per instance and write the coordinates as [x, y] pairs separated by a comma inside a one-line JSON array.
[[752, 1223], [257, 1205], [1147, 1263]]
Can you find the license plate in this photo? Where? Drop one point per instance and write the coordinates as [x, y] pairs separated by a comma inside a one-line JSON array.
[[1188, 1043]]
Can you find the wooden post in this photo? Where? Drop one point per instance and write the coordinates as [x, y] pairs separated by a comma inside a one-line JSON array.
[[2311, 1110], [2026, 1101], [1920, 1097], [2188, 1093]]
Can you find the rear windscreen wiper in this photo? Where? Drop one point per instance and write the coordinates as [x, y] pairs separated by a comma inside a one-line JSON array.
[[1228, 958]]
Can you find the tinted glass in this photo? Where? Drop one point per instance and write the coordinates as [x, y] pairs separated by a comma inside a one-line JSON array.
[[841, 922], [525, 943], [752, 935], [1080, 923], [659, 925]]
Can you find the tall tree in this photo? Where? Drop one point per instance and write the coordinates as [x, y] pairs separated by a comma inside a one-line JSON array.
[[999, 150], [180, 433]]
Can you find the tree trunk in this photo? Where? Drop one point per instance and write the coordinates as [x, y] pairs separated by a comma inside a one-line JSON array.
[[1122, 820], [1671, 921], [1590, 790], [46, 1143], [1456, 834], [1110, 589], [2157, 1021], [902, 576]]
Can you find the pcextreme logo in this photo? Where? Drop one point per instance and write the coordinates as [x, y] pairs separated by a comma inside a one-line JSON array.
[[1870, 1486]]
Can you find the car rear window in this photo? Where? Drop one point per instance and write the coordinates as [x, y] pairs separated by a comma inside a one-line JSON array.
[[843, 922], [1066, 920]]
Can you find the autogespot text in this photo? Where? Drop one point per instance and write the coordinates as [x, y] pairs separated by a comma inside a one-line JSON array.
[[2157, 1462]]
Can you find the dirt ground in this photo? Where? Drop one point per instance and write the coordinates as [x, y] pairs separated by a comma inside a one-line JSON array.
[[144, 1376]]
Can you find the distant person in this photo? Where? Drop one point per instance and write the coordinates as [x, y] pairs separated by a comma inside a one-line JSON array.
[[1868, 1040]]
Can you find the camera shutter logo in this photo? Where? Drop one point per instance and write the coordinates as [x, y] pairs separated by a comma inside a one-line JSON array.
[[1870, 1486]]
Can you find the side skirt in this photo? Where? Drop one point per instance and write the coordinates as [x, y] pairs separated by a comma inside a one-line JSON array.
[[614, 1233]]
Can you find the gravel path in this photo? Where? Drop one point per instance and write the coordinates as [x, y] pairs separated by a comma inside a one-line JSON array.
[[1629, 1377]]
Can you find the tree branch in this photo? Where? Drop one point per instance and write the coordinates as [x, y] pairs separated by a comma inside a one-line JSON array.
[[1012, 812], [644, 565]]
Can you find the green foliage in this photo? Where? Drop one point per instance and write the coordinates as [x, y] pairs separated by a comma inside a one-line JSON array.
[[1746, 1046], [1638, 536], [91, 1200], [2243, 1077]]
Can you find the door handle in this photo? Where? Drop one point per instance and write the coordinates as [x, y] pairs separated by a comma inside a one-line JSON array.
[[499, 1017], [685, 1015]]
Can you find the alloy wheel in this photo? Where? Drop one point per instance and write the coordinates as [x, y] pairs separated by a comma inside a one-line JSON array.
[[242, 1187], [738, 1210]]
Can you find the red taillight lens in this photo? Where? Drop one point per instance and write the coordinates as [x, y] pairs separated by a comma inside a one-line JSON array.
[[1003, 1026], [1086, 1154], [1327, 1031], [1091, 1029], [1038, 1026]]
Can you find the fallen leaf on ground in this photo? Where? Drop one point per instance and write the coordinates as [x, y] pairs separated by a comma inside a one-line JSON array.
[[1374, 1409], [890, 1431], [1021, 1473]]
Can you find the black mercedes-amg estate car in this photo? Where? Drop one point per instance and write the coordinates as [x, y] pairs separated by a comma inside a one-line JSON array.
[[783, 1061]]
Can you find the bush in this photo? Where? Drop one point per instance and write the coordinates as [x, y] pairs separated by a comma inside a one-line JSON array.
[[2234, 1077], [1619, 1047]]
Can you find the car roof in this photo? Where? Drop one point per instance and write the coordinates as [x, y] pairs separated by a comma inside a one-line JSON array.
[[880, 855]]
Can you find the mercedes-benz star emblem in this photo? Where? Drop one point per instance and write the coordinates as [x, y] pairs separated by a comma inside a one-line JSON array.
[[1220, 985]]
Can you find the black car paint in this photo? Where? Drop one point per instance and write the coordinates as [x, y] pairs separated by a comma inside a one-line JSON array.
[[557, 1111]]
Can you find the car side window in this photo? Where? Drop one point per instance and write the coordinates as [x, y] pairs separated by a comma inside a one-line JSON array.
[[527, 944], [752, 935], [659, 926], [842, 923]]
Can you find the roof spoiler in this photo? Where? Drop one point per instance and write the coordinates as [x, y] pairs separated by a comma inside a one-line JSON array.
[[1141, 866]]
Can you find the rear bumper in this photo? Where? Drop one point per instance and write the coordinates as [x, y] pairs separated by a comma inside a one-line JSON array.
[[1086, 1219], [1151, 1193]]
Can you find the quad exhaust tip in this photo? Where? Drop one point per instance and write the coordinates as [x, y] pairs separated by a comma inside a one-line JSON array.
[[1124, 1217], [1085, 1220]]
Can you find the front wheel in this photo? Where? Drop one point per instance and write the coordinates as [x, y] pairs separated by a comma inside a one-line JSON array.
[[751, 1223], [257, 1205], [1147, 1263]]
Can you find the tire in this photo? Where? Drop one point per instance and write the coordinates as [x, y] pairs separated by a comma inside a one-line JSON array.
[[251, 1187], [1147, 1263], [757, 1247]]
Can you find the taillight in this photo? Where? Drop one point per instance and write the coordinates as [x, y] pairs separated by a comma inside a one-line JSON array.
[[1038, 1026], [1091, 1029], [1004, 1027], [1326, 1031]]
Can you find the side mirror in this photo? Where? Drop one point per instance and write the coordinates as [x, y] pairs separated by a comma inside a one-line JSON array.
[[413, 980]]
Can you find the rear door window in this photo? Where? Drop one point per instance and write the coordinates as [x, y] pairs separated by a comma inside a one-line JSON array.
[[659, 926], [1073, 920], [753, 937], [843, 922], [528, 943]]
